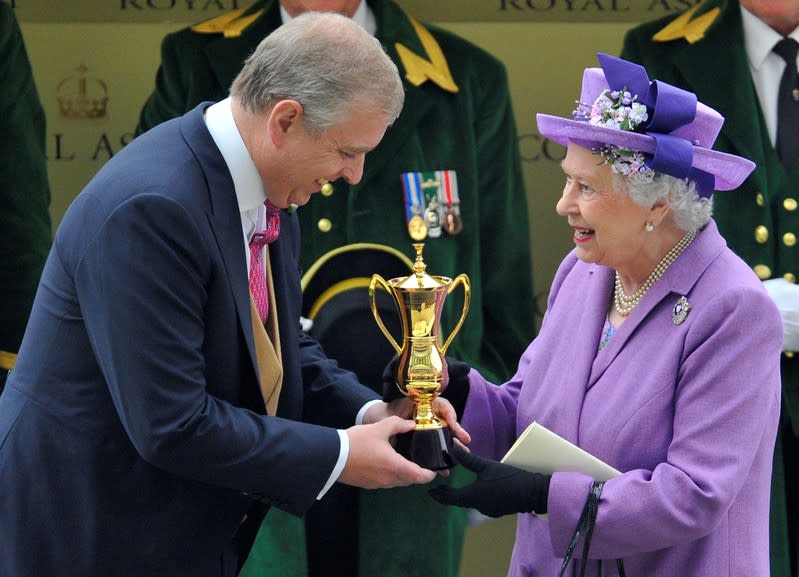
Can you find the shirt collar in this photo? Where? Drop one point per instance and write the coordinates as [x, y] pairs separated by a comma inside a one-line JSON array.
[[364, 17], [759, 38], [246, 180]]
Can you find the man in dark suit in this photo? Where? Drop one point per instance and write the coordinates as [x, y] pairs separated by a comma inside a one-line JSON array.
[[724, 52], [457, 122], [140, 430], [24, 193]]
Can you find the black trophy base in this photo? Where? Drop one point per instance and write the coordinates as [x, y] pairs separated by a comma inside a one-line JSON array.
[[428, 448]]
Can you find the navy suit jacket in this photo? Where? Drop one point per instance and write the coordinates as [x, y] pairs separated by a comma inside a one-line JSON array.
[[133, 439]]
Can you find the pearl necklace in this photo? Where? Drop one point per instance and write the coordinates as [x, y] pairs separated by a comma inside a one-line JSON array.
[[625, 303]]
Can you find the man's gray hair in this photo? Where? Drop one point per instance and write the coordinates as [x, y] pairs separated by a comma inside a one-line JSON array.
[[327, 63], [690, 211]]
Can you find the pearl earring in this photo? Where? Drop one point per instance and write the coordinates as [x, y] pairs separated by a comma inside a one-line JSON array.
[[649, 227]]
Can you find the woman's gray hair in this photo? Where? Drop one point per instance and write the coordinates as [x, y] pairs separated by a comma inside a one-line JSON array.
[[328, 64], [690, 211]]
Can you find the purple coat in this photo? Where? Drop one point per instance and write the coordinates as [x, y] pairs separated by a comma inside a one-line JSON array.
[[688, 412]]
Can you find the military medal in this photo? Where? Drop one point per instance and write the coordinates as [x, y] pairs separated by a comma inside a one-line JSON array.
[[453, 223], [417, 228], [433, 213], [412, 187], [432, 205]]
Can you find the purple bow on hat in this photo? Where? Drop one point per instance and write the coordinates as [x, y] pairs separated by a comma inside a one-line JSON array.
[[643, 128], [669, 108]]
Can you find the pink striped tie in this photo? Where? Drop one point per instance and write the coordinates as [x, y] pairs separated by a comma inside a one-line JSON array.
[[258, 287]]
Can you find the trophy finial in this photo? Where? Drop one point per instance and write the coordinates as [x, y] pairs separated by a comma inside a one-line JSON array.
[[419, 266]]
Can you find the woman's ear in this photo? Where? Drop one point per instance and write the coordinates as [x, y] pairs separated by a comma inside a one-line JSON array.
[[657, 212]]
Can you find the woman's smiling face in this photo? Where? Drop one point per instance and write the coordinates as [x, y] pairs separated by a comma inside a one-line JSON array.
[[608, 226]]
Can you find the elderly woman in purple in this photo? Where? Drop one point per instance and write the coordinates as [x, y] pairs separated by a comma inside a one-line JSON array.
[[658, 354]]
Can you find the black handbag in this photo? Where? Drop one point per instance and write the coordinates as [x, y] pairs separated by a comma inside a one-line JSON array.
[[585, 526]]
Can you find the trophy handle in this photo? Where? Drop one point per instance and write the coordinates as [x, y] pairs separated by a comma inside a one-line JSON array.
[[379, 280], [461, 279]]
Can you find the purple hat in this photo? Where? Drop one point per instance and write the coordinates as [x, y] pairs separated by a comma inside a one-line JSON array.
[[642, 127]]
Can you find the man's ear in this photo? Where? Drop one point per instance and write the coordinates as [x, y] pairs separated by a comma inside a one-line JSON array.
[[284, 118]]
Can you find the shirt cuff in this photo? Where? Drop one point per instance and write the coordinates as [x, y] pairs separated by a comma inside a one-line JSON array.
[[343, 453], [362, 412]]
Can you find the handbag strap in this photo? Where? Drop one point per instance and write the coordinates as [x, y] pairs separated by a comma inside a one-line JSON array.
[[585, 526]]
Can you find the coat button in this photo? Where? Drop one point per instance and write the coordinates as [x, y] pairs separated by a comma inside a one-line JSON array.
[[790, 277], [324, 225], [762, 271], [789, 204], [761, 234], [760, 200], [789, 239]]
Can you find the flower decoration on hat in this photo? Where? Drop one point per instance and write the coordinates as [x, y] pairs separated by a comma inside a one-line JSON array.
[[634, 104], [618, 109]]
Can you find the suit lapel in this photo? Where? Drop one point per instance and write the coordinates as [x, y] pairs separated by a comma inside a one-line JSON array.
[[224, 219], [679, 279]]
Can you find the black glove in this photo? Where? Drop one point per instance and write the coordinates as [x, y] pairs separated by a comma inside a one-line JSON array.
[[499, 489], [455, 392]]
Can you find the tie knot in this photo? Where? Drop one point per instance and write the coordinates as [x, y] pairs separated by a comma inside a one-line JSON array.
[[272, 230], [260, 239], [787, 48]]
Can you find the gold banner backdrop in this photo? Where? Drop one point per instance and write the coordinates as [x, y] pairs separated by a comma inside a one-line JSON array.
[[106, 53], [138, 11]]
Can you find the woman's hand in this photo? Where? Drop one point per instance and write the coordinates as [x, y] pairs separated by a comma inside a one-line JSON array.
[[499, 489]]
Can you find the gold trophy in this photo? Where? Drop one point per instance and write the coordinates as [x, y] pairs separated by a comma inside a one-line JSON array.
[[421, 371]]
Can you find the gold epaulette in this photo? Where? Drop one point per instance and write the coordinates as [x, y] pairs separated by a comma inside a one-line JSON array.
[[418, 70], [230, 24], [7, 360], [684, 27]]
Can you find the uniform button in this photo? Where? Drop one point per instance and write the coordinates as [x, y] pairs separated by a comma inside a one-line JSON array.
[[790, 277], [789, 204], [788, 354], [327, 189], [759, 199], [762, 271], [324, 225], [789, 239], [761, 234]]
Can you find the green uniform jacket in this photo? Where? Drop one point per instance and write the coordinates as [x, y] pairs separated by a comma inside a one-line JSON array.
[[25, 233], [472, 132], [760, 220]]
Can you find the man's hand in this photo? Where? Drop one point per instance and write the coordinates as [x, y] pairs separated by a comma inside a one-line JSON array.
[[403, 408], [374, 464]]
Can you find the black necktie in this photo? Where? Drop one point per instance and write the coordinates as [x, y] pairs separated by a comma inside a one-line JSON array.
[[788, 104]]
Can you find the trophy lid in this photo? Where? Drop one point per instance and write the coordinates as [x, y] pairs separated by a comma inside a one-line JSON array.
[[420, 279]]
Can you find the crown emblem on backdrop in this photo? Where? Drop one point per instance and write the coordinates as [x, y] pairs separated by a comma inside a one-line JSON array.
[[82, 96]]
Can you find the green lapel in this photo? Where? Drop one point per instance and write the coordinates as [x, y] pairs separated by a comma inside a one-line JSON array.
[[393, 26], [226, 55], [717, 69]]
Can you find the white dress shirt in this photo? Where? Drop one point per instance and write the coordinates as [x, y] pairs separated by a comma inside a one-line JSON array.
[[765, 65]]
